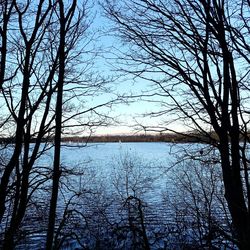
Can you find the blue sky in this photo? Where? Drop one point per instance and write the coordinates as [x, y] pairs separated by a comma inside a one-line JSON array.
[[132, 113]]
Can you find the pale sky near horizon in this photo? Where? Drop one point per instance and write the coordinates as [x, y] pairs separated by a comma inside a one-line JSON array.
[[127, 115]]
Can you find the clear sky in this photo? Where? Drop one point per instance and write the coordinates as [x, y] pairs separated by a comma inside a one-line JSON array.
[[132, 113], [126, 114]]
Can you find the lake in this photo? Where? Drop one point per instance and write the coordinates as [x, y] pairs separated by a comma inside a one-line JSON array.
[[126, 195]]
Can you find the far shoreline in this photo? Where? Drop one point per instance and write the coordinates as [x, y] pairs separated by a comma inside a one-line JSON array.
[[190, 137]]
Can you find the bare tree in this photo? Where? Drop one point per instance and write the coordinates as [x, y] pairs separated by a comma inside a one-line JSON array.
[[6, 10], [46, 80], [65, 19], [197, 55], [201, 216], [25, 110]]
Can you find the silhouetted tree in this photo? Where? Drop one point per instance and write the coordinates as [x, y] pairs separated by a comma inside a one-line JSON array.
[[46, 81], [65, 19], [197, 55]]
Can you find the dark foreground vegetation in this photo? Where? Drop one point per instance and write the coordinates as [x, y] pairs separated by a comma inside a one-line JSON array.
[[195, 55]]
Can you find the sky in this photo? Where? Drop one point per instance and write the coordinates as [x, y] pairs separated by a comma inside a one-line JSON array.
[[127, 115]]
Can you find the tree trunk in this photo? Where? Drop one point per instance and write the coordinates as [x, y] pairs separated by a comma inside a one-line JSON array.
[[58, 121]]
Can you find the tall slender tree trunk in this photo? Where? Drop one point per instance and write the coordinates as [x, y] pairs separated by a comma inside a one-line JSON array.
[[20, 123], [3, 32], [58, 131]]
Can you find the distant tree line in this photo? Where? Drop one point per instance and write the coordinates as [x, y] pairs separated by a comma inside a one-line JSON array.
[[168, 137], [187, 137]]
